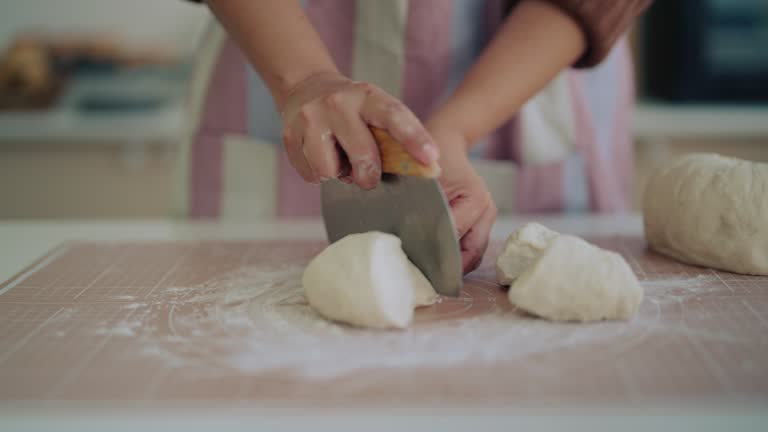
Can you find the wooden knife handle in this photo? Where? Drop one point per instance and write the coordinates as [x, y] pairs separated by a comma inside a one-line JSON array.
[[395, 160]]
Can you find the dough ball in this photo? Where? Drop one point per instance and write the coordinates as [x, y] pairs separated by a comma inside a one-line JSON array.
[[710, 210], [521, 249], [574, 280], [366, 280]]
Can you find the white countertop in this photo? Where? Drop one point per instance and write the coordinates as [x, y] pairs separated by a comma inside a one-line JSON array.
[[21, 242]]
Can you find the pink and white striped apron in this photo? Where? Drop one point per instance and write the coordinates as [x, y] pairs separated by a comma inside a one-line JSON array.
[[571, 144]]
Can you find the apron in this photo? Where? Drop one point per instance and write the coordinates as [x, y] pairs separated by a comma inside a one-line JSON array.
[[570, 145]]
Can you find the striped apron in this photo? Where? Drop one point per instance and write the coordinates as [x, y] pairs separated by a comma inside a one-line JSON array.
[[570, 145]]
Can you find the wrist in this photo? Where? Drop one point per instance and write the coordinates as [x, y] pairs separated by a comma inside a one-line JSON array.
[[449, 139], [284, 85], [456, 129]]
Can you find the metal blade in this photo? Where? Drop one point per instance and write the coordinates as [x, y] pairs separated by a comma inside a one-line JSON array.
[[414, 209]]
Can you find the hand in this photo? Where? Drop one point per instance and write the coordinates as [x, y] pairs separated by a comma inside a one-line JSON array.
[[326, 135], [472, 207]]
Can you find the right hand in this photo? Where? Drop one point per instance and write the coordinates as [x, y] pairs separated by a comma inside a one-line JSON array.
[[327, 114]]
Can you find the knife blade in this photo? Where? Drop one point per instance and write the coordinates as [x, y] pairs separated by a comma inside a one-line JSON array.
[[409, 203]]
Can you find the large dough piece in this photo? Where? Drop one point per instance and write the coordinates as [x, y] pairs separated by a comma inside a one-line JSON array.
[[522, 248], [573, 280], [710, 210], [366, 280]]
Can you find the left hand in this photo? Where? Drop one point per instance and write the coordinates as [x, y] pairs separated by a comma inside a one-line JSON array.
[[471, 204]]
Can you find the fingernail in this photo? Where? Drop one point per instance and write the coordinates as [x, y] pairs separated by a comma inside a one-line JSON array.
[[347, 180], [368, 167], [323, 179], [431, 151]]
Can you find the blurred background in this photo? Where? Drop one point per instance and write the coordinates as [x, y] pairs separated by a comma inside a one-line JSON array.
[[97, 98]]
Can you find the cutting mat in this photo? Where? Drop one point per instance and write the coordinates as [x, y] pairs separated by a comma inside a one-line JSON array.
[[227, 321]]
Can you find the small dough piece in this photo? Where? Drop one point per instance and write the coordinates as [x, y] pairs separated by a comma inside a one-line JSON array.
[[423, 293], [366, 280], [576, 281], [521, 249], [710, 210]]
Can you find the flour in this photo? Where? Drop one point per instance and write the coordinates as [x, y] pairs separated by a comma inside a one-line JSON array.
[[256, 320], [122, 328], [679, 287]]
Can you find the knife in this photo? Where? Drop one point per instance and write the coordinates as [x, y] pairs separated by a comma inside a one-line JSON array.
[[409, 203]]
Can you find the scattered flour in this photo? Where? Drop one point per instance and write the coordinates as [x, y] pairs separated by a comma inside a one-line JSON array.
[[677, 287], [255, 320], [123, 328]]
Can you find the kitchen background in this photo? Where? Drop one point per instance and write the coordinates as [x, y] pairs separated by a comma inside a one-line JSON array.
[[97, 98]]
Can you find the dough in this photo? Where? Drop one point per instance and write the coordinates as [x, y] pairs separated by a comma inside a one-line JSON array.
[[366, 280], [574, 280], [521, 249], [710, 210], [423, 293]]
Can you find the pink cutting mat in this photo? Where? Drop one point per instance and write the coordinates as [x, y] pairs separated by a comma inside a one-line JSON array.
[[227, 321]]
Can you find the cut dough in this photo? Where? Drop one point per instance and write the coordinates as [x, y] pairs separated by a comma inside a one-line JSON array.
[[423, 293], [573, 280], [366, 280], [521, 249], [710, 210]]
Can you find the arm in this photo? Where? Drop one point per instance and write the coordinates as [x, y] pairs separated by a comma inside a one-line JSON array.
[[325, 116], [278, 40], [535, 43], [538, 40]]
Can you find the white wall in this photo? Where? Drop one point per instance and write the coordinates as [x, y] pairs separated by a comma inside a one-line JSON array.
[[172, 23]]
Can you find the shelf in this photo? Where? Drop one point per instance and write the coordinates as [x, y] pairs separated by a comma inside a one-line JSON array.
[[161, 120], [659, 120], [164, 125], [652, 121]]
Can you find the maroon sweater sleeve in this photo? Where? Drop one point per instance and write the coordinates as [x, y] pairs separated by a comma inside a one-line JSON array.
[[603, 22]]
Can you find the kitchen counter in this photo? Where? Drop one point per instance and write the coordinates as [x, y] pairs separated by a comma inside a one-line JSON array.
[[202, 325]]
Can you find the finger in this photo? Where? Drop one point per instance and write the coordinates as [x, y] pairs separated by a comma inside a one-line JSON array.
[[385, 112], [317, 146], [466, 211], [320, 152], [475, 242], [356, 140], [345, 173], [292, 146]]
